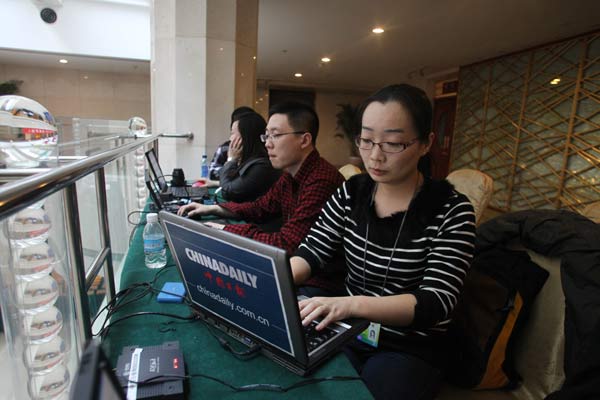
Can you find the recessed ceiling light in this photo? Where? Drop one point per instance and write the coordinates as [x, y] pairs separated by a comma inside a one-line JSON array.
[[298, 75], [254, 57], [378, 30], [325, 59], [63, 61]]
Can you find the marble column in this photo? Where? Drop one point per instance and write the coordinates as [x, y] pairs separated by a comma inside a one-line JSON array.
[[203, 66]]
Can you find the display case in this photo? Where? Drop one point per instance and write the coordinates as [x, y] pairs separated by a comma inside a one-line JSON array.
[[63, 233], [36, 300]]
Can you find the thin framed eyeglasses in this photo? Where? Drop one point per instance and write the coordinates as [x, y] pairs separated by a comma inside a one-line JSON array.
[[386, 147], [275, 136]]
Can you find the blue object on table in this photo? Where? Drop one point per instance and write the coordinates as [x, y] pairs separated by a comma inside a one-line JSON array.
[[171, 292]]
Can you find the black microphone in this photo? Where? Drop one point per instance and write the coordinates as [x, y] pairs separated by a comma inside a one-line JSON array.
[[178, 178]]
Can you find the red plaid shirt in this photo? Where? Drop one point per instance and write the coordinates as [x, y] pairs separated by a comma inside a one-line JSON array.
[[298, 199]]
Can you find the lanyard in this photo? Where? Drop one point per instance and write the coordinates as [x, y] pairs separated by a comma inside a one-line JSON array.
[[387, 268]]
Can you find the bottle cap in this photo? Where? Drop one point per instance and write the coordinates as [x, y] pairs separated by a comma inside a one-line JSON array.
[[152, 217]]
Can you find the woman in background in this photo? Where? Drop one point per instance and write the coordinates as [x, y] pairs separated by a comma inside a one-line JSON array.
[[248, 173], [408, 241]]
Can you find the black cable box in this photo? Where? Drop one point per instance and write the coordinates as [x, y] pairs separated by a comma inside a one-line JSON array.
[[158, 370]]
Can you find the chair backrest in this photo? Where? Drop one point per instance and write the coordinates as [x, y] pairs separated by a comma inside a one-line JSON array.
[[592, 211], [476, 185], [349, 170]]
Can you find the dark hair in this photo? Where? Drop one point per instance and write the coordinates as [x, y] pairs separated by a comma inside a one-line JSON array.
[[417, 105], [251, 126], [238, 112], [301, 117]]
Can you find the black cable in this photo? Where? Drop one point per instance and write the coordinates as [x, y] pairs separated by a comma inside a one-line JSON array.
[[265, 387], [136, 212], [240, 355], [137, 224], [121, 299], [136, 314]]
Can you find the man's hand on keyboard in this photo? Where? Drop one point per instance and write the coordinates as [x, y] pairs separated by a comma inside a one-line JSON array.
[[195, 210]]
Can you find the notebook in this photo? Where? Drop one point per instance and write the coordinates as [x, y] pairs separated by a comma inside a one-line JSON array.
[[175, 191], [245, 288]]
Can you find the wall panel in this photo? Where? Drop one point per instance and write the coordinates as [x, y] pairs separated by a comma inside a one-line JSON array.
[[539, 141]]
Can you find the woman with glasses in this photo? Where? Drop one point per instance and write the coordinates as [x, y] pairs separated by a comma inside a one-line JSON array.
[[248, 173], [408, 241]]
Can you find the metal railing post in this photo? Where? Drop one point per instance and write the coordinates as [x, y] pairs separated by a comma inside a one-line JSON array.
[[104, 230], [77, 264]]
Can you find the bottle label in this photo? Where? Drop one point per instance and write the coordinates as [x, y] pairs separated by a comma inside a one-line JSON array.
[[154, 245]]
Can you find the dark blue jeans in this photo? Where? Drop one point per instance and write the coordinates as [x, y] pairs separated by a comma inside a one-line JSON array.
[[394, 375]]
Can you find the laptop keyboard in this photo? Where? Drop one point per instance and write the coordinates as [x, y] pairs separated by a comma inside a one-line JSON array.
[[316, 338], [188, 191]]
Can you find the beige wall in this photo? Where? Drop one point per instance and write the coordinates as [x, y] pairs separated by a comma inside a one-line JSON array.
[[84, 94], [334, 149]]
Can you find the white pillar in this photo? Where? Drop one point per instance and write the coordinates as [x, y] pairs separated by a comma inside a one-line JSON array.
[[200, 73]]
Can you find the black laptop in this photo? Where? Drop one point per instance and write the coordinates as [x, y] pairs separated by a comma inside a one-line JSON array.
[[180, 192], [159, 204], [95, 379], [245, 288]]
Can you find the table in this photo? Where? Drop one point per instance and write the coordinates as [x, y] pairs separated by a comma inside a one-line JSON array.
[[202, 353]]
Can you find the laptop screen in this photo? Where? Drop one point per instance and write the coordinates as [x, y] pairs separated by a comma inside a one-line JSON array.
[[95, 379], [153, 190], [232, 281], [156, 170]]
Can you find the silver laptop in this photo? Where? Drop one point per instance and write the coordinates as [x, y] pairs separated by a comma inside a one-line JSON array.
[[245, 288]]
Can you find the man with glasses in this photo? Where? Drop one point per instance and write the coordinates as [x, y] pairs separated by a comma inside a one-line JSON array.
[[299, 194]]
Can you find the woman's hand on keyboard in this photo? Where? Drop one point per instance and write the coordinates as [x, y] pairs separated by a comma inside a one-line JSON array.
[[329, 309]]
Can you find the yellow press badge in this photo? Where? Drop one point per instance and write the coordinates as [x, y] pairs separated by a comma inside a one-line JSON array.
[[370, 335]]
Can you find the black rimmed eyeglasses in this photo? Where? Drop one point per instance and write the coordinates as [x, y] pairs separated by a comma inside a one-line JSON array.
[[386, 147], [273, 137]]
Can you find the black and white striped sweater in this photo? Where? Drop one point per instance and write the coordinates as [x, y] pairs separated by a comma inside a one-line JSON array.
[[430, 261]]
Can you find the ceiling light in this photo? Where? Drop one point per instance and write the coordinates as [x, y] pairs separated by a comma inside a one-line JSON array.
[[378, 30], [298, 75], [254, 57], [63, 61], [555, 81], [325, 59]]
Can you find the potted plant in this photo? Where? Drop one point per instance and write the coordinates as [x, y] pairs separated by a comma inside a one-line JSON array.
[[10, 87], [348, 126]]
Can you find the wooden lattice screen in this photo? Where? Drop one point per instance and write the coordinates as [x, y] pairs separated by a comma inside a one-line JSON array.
[[540, 141]]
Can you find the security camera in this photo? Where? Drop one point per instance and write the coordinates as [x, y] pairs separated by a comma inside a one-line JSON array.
[[48, 15]]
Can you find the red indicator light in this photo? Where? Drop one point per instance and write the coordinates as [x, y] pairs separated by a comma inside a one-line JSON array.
[[175, 363]]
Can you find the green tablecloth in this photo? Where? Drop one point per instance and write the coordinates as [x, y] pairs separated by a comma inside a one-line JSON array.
[[202, 353]]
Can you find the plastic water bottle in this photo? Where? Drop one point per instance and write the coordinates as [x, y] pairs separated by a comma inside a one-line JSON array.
[[204, 171], [154, 243]]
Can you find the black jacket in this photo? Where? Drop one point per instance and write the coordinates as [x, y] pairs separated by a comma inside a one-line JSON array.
[[248, 181], [576, 240]]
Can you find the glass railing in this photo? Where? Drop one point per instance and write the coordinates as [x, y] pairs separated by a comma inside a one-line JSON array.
[[63, 233]]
